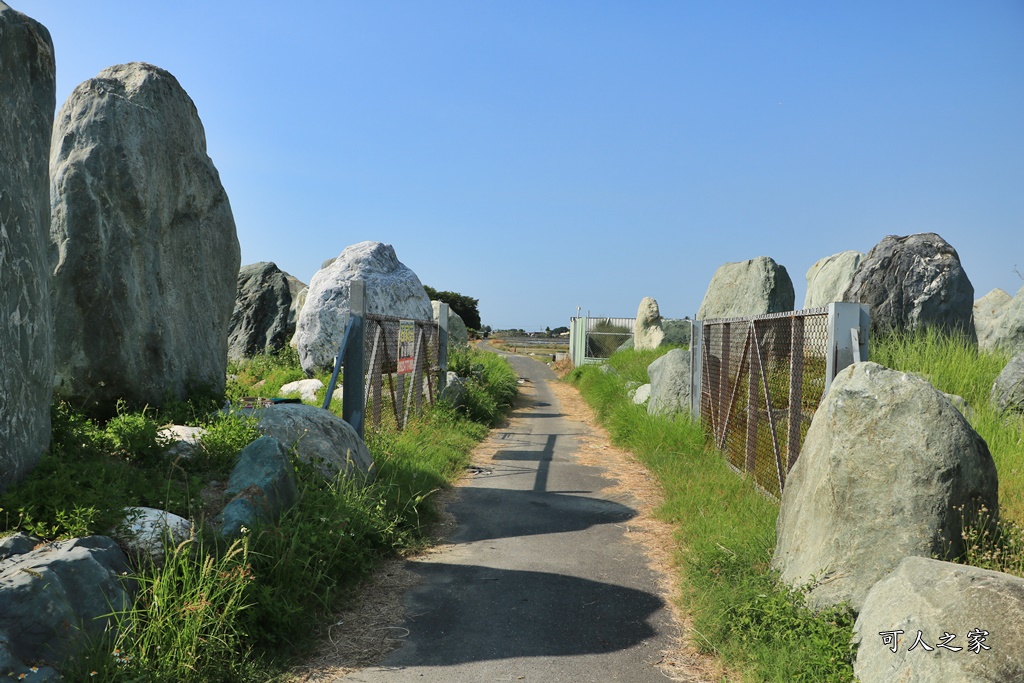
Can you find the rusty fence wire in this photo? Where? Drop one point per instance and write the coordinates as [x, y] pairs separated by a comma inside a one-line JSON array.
[[395, 393], [762, 379]]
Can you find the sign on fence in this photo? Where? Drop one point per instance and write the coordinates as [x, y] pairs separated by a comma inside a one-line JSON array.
[[406, 346]]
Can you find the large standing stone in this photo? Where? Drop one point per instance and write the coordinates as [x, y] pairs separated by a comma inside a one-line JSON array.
[[747, 288], [56, 598], [670, 383], [983, 610], [26, 329], [1009, 335], [392, 289], [647, 332], [457, 333], [1008, 389], [912, 283], [830, 277], [884, 468], [263, 307], [988, 315], [319, 437], [143, 240]]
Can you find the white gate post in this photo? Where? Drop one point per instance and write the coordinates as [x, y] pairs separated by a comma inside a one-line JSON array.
[[696, 366], [846, 322]]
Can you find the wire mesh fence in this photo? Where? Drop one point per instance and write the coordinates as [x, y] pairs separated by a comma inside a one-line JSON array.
[[401, 366], [605, 335], [762, 379]]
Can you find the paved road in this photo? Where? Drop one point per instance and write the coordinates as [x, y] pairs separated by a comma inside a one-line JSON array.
[[540, 583]]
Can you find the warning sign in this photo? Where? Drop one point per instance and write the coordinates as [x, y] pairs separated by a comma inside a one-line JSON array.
[[406, 346]]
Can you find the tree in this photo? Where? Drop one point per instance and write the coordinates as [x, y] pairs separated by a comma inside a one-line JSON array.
[[464, 306]]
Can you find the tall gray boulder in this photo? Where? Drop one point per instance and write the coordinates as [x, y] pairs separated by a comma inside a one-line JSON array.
[[921, 602], [143, 241], [830, 277], [886, 465], [912, 283], [27, 97], [458, 335], [392, 289], [747, 288], [647, 332], [1009, 334], [259, 323], [988, 315]]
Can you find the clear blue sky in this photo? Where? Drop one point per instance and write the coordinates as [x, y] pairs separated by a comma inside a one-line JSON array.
[[546, 155]]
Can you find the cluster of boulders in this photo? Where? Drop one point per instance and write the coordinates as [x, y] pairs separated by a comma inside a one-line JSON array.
[[120, 280], [889, 475]]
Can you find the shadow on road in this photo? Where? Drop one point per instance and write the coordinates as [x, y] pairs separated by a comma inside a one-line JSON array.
[[499, 614], [487, 513]]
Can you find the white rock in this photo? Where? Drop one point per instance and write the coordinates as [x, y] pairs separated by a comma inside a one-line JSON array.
[[144, 529], [392, 289], [307, 388]]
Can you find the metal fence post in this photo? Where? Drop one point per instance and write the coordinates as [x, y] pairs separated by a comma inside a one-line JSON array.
[[353, 399], [442, 347], [696, 366], [843, 318]]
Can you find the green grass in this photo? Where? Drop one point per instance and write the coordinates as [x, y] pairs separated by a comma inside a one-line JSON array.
[[956, 367], [231, 612], [725, 531]]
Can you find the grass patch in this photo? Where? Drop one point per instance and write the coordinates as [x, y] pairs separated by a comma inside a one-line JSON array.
[[725, 530], [956, 367]]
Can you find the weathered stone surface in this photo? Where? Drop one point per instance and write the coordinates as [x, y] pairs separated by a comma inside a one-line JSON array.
[[306, 389], [143, 532], [670, 383], [884, 468], [27, 100], [988, 314], [912, 283], [392, 289], [139, 215], [17, 543], [319, 437], [747, 288], [53, 596], [830, 277], [934, 598], [1009, 335], [1008, 389], [457, 333], [641, 395], [263, 306], [647, 332], [298, 290], [262, 485]]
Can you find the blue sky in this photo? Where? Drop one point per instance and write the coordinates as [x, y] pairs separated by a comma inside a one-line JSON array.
[[541, 156]]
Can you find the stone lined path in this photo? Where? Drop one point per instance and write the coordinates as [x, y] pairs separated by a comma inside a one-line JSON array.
[[539, 581]]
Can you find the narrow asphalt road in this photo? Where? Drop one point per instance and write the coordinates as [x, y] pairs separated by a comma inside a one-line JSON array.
[[539, 583]]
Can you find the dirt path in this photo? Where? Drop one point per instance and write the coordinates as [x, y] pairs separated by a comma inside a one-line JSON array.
[[552, 568]]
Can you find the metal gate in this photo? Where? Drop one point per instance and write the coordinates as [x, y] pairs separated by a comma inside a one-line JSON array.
[[394, 393], [761, 380]]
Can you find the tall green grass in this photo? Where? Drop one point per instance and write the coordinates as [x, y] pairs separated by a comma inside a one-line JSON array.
[[725, 529], [957, 367]]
